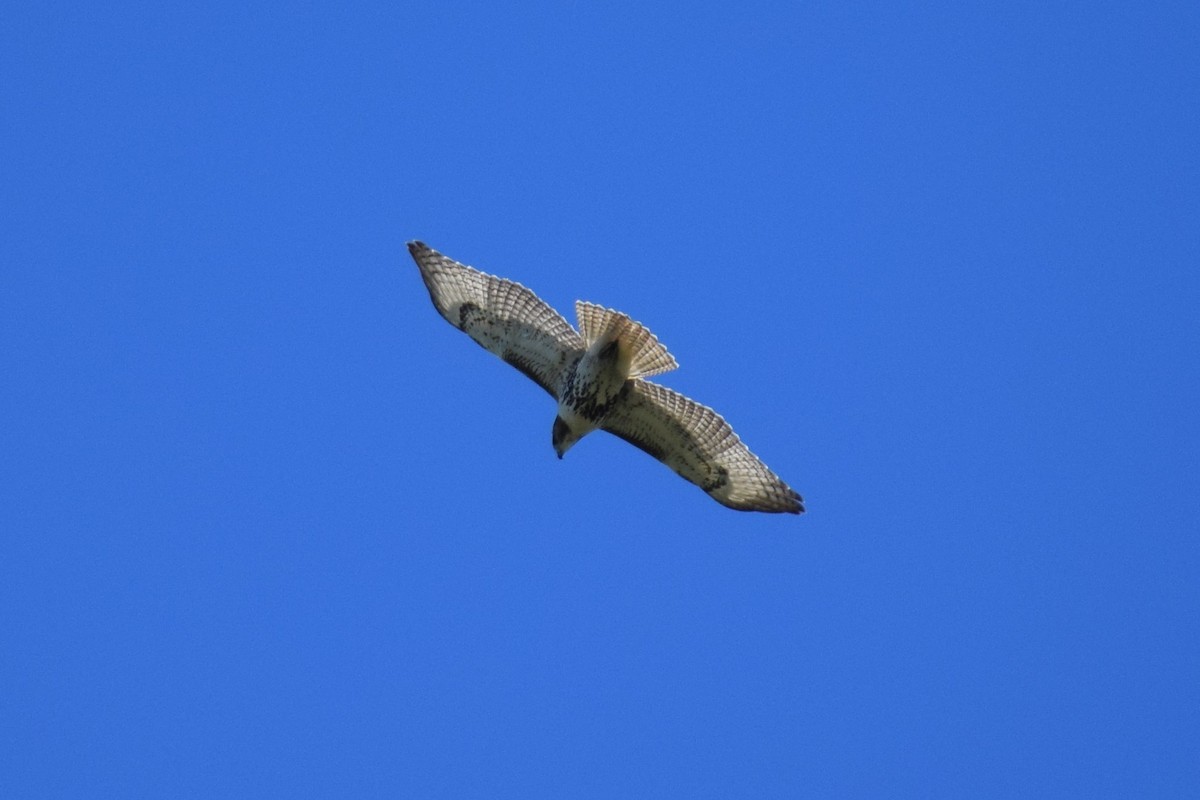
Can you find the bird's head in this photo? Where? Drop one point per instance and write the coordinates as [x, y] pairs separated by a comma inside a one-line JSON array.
[[562, 437]]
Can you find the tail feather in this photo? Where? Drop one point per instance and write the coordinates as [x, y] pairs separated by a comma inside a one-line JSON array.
[[645, 353]]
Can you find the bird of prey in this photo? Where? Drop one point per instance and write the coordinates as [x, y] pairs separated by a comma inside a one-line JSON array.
[[597, 375]]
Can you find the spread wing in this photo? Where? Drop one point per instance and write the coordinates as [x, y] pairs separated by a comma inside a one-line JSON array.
[[503, 316], [694, 441]]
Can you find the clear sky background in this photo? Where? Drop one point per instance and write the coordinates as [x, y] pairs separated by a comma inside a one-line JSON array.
[[271, 527]]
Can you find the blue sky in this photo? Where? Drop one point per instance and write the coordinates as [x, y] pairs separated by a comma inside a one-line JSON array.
[[270, 527]]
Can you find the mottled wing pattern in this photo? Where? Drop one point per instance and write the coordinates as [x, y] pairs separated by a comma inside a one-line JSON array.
[[504, 317], [694, 441]]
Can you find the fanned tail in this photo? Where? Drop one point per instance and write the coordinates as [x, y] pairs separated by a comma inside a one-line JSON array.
[[645, 354]]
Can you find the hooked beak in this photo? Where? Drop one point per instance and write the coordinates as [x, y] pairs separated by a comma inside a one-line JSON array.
[[558, 436]]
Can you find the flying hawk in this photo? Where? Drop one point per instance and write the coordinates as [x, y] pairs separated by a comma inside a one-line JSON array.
[[597, 375]]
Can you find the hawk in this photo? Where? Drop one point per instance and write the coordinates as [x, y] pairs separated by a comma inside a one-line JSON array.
[[597, 375]]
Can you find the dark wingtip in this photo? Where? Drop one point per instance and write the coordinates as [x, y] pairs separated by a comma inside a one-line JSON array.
[[417, 246]]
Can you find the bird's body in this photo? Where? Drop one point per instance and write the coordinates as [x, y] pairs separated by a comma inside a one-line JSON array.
[[589, 389], [598, 375]]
